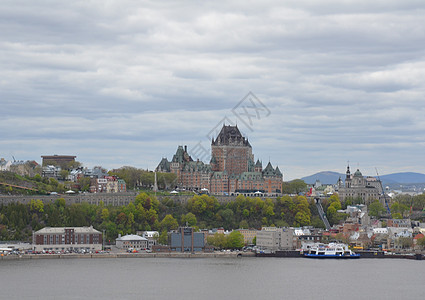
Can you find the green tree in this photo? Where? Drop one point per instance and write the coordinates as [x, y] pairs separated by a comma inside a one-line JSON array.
[[37, 205], [405, 242], [63, 174], [218, 240], [163, 238], [189, 219], [84, 183], [376, 209], [235, 240], [130, 175], [105, 214], [302, 219], [169, 223], [421, 242], [227, 217], [294, 187], [243, 224]]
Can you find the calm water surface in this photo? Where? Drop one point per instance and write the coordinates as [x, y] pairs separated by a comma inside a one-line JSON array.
[[215, 278]]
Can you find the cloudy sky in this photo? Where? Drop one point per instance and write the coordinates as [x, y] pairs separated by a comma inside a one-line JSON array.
[[125, 82]]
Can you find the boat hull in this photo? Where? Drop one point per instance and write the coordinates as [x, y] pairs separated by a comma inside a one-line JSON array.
[[332, 256]]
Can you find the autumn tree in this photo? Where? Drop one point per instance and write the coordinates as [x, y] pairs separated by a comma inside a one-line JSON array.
[[294, 187]]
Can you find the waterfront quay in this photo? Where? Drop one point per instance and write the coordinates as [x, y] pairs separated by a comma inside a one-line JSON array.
[[217, 254], [363, 254], [131, 255]]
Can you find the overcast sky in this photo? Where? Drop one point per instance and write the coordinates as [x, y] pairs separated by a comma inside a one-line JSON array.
[[125, 82]]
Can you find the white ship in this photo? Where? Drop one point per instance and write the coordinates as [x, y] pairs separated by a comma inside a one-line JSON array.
[[331, 250]]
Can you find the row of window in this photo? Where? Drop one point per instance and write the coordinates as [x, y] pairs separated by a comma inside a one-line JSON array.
[[78, 239]]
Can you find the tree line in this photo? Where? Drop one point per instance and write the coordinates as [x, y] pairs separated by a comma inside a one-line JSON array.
[[146, 212]]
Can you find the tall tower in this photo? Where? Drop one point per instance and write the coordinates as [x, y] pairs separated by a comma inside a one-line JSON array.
[[348, 177], [231, 151]]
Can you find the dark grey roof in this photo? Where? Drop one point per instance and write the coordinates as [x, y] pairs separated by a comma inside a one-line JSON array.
[[164, 165], [230, 135], [251, 176], [181, 156], [269, 171], [258, 164], [278, 173]]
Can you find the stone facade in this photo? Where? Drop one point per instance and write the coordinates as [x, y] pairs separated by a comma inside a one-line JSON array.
[[367, 189], [273, 239], [231, 170]]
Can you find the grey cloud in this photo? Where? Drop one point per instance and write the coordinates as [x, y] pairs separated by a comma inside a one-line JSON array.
[[126, 82]]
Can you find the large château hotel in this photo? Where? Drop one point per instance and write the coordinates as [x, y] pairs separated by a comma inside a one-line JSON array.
[[231, 171]]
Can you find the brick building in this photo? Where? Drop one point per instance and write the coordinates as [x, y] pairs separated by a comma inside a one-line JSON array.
[[67, 238], [231, 170], [58, 160]]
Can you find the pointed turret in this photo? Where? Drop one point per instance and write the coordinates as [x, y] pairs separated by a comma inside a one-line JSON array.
[[269, 171], [258, 166], [278, 173], [348, 175]]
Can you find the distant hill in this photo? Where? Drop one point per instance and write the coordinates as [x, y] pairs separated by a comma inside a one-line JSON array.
[[403, 178], [325, 177], [328, 177]]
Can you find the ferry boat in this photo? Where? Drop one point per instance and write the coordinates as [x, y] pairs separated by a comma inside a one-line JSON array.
[[332, 250]]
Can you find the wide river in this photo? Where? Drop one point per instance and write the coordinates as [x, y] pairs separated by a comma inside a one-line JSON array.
[[212, 278]]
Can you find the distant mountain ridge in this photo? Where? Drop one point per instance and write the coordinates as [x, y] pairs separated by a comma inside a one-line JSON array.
[[325, 177], [329, 177]]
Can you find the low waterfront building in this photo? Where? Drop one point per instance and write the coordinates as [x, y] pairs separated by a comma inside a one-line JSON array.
[[274, 238], [152, 237], [186, 240], [248, 235], [131, 241], [67, 238]]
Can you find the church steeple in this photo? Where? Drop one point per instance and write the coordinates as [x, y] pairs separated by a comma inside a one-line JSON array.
[[348, 175]]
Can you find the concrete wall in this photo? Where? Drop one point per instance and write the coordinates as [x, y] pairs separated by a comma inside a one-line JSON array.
[[114, 199]]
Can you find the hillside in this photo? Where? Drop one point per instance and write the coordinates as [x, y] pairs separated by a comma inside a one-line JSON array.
[[11, 183], [404, 178]]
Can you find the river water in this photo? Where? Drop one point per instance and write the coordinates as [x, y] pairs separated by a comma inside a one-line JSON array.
[[211, 278]]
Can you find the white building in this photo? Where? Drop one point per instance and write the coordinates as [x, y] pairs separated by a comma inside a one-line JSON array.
[[273, 239], [383, 230], [152, 237], [132, 241], [5, 165]]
